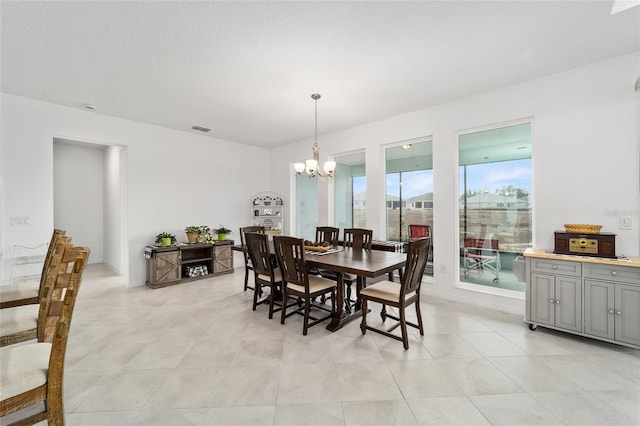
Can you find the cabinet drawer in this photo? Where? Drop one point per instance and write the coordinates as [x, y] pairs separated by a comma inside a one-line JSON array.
[[623, 274], [562, 267]]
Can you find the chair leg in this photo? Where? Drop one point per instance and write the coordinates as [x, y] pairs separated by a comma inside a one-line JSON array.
[[403, 328], [419, 314], [271, 297], [246, 278], [255, 297], [283, 312], [383, 313], [307, 312], [363, 324]]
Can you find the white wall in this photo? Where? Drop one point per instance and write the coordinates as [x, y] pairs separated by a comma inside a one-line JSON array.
[[174, 178], [115, 247], [585, 160], [78, 194]]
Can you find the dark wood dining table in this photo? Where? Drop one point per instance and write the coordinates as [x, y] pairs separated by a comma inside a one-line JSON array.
[[366, 263]]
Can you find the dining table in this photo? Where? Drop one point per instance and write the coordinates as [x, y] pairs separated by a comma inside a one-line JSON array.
[[365, 263]]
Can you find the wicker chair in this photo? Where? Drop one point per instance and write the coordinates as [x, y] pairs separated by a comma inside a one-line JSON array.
[[25, 322], [298, 283], [33, 373], [27, 293], [399, 296], [247, 262]]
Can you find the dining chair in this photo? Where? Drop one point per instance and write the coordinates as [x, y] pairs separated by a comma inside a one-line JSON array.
[[27, 293], [247, 262], [399, 296], [327, 234], [357, 239], [25, 322], [33, 373], [266, 274], [299, 283]]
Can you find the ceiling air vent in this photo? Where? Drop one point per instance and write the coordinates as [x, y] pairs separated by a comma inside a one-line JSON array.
[[201, 129]]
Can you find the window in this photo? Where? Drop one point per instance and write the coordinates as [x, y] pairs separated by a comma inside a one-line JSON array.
[[495, 207], [350, 191], [306, 206], [409, 192]]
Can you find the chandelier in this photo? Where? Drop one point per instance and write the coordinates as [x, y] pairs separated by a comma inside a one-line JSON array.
[[312, 165]]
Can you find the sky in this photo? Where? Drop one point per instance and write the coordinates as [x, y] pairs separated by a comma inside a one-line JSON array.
[[480, 177]]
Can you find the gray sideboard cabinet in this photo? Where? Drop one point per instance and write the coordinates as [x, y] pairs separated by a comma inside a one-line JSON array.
[[612, 303], [593, 297]]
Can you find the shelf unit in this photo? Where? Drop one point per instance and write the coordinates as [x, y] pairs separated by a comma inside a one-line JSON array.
[[188, 262], [268, 211]]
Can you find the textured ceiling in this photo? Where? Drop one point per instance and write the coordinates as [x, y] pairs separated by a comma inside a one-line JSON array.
[[246, 70]]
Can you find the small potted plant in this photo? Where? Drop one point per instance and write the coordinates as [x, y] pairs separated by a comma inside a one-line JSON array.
[[222, 232], [203, 233], [192, 233], [165, 239]]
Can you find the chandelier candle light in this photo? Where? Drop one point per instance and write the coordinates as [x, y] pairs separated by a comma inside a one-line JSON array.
[[312, 165]]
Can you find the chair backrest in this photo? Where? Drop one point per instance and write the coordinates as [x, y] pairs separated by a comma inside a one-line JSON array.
[[419, 231], [55, 236], [358, 238], [247, 229], [258, 250], [417, 255], [481, 243], [64, 288], [327, 234], [62, 256], [291, 259]]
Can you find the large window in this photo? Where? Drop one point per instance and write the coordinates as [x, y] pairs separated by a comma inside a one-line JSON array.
[[409, 193], [350, 191], [495, 205]]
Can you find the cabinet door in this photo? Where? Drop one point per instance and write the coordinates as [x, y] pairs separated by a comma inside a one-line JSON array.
[[542, 299], [599, 308], [568, 301], [627, 313], [167, 267], [223, 261]]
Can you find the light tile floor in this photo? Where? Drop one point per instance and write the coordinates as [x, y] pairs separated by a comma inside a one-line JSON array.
[[196, 354]]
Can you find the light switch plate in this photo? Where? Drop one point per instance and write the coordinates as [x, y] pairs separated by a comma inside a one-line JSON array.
[[626, 222]]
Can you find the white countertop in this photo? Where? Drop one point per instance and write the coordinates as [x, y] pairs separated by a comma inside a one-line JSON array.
[[543, 254]]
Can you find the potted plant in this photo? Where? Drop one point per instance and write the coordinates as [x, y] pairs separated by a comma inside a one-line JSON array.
[[165, 239], [222, 232], [203, 233], [192, 233]]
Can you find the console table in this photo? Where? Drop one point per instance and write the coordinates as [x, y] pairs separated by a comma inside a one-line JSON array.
[[590, 296], [182, 263]]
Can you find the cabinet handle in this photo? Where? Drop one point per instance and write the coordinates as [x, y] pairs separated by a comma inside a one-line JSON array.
[[614, 273], [554, 267], [611, 312], [557, 301], [552, 301], [618, 313]]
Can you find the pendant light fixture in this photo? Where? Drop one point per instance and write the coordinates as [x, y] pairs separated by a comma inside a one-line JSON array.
[[312, 165]]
